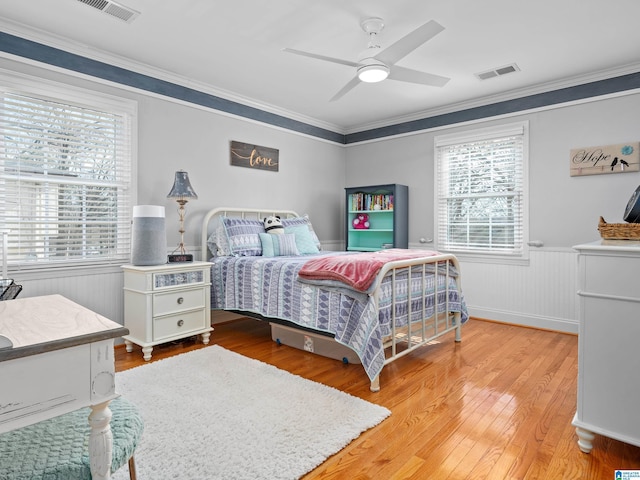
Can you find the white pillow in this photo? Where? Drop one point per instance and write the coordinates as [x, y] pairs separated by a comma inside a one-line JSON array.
[[218, 243]]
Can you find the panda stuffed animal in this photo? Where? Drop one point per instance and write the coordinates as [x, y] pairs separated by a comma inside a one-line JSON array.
[[273, 225]]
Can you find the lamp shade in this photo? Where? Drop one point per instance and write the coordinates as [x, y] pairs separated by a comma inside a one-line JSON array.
[[182, 187]]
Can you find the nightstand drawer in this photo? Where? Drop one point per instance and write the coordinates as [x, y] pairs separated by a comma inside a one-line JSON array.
[[178, 325], [176, 279], [172, 302]]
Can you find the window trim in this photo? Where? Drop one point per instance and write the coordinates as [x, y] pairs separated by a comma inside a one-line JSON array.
[[25, 84], [480, 134]]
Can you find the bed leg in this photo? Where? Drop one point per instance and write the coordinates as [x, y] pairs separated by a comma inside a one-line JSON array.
[[459, 333], [375, 384]]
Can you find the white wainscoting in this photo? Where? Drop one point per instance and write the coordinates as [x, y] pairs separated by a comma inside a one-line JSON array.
[[98, 289], [542, 294]]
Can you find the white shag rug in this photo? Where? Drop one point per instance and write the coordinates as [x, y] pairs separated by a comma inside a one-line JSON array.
[[214, 414]]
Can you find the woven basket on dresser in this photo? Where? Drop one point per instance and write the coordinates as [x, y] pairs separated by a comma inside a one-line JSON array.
[[619, 231]]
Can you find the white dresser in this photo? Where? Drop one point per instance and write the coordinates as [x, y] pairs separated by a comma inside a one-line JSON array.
[[168, 302], [608, 342]]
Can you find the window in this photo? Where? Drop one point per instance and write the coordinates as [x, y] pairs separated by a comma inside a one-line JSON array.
[[480, 191], [65, 175]]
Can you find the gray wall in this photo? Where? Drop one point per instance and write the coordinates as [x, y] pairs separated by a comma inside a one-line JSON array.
[[173, 136], [563, 210]]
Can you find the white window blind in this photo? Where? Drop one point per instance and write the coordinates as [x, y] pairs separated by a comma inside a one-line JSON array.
[[65, 181], [480, 191]]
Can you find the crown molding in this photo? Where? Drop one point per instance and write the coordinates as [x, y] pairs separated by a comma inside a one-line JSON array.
[[77, 48], [83, 50], [515, 94]]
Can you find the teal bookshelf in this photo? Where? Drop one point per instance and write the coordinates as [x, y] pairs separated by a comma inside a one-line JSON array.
[[387, 207]]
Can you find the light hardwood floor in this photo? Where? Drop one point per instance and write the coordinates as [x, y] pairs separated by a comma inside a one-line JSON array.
[[498, 406]]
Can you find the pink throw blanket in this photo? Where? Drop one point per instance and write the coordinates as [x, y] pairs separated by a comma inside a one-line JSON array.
[[358, 270]]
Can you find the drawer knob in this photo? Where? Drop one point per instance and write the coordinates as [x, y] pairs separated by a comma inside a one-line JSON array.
[[180, 300], [180, 323]]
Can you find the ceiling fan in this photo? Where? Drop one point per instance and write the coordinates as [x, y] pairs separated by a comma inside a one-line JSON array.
[[376, 64]]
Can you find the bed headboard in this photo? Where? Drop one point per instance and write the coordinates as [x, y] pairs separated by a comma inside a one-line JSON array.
[[211, 219]]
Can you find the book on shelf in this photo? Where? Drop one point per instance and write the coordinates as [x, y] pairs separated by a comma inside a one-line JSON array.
[[371, 201]]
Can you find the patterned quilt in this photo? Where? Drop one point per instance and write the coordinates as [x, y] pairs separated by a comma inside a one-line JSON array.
[[269, 286]]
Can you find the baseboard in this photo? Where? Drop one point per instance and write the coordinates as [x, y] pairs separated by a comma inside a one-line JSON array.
[[543, 323]]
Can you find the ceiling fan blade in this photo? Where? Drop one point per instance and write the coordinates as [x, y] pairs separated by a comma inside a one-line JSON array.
[[410, 42], [321, 57], [414, 76], [348, 87]]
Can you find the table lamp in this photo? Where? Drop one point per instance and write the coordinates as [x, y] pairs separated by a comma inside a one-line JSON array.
[[182, 191]]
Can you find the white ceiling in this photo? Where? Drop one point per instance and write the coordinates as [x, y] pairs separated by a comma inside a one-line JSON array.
[[233, 48]]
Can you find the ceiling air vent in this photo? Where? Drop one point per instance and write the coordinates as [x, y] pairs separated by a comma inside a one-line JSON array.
[[497, 72], [114, 9]]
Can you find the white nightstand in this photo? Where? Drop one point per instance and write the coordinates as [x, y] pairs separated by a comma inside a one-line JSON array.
[[167, 302]]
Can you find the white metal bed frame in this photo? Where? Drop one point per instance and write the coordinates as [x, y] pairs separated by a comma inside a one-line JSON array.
[[403, 340]]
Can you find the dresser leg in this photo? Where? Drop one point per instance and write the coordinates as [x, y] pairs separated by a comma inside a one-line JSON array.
[[128, 345], [585, 439], [100, 441], [205, 338], [146, 353]]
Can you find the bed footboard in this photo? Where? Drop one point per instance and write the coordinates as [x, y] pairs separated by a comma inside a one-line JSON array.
[[425, 326]]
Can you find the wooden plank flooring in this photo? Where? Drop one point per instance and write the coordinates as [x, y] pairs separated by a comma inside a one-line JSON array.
[[498, 405]]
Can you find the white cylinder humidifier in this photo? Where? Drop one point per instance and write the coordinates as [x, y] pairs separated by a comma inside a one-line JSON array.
[[149, 238]]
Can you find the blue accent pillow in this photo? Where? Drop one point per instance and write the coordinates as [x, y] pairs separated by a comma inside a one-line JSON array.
[[304, 240], [278, 245], [243, 236], [304, 220]]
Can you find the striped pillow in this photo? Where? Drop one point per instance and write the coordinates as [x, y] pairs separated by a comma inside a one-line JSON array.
[[278, 245]]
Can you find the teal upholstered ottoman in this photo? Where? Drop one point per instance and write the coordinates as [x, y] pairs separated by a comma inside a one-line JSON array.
[[57, 449]]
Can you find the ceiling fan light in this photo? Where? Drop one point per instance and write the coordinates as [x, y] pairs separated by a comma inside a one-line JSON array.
[[373, 73]]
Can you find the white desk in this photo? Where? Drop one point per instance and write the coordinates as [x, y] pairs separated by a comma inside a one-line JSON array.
[[61, 359]]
